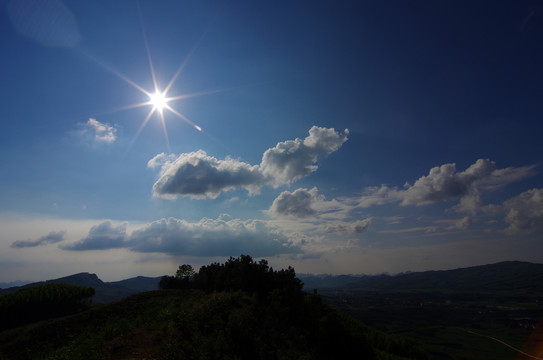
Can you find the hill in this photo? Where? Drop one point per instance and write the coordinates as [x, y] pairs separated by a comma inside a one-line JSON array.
[[190, 324], [138, 283], [511, 278], [237, 310], [105, 292]]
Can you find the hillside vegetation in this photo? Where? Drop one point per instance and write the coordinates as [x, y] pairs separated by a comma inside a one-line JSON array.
[[42, 302], [237, 310]]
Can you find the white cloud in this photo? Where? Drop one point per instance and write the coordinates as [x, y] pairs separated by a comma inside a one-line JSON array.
[[525, 211], [293, 159], [297, 204], [102, 133], [444, 183], [198, 175], [51, 238]]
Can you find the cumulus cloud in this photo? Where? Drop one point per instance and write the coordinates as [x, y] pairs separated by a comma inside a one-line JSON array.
[[298, 203], [101, 237], [211, 237], [444, 183], [208, 237], [525, 211], [198, 175], [101, 133], [51, 238], [293, 159]]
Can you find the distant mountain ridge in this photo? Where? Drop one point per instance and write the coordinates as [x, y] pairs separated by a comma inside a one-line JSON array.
[[507, 278], [106, 292], [5, 285]]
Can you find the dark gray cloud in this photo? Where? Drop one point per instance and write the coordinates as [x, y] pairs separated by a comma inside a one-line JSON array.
[[211, 237], [101, 237], [208, 237], [198, 175], [51, 238], [297, 203]]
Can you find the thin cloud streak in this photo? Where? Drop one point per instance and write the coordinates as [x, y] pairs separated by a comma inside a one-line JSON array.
[[52, 238]]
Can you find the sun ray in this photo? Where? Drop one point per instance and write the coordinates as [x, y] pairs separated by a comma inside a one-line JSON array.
[[186, 96], [145, 121], [183, 117], [153, 75], [174, 77], [115, 72], [165, 130]]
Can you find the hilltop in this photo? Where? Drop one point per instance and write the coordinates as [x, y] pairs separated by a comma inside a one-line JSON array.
[[237, 310]]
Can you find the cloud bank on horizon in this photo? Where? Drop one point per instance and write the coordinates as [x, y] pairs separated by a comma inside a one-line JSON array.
[[323, 218]]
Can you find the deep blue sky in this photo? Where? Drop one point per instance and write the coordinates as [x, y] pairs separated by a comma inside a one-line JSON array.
[[358, 137]]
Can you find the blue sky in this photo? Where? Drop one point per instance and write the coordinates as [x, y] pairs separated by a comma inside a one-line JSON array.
[[359, 137]]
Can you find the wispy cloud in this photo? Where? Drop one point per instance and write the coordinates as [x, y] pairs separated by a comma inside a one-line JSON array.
[[199, 176], [99, 132], [51, 238]]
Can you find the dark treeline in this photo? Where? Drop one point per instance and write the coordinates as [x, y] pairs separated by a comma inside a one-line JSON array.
[[255, 312], [241, 273], [42, 302]]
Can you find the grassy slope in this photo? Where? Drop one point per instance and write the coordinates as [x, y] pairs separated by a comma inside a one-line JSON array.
[[194, 325]]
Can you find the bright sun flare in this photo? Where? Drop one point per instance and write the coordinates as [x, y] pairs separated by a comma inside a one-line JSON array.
[[158, 100]]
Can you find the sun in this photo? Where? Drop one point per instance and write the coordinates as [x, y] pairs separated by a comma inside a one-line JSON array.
[[158, 100]]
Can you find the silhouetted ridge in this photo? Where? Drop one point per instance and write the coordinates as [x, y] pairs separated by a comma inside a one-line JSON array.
[[510, 277], [139, 283], [105, 292]]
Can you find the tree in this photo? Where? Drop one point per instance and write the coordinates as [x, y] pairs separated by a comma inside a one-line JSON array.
[[182, 279], [185, 272]]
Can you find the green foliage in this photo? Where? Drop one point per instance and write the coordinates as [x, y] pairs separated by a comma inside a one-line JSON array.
[[42, 302]]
